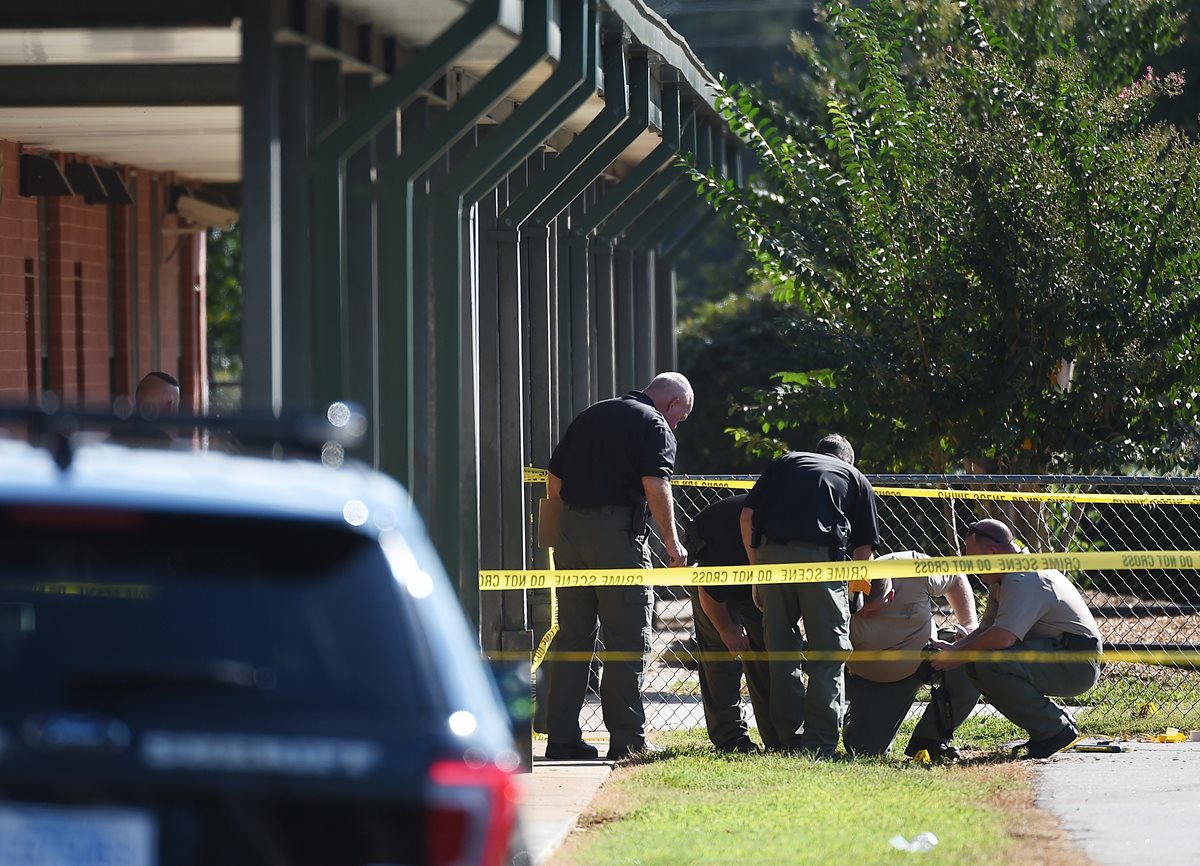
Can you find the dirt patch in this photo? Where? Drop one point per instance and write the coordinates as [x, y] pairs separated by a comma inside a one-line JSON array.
[[1036, 837]]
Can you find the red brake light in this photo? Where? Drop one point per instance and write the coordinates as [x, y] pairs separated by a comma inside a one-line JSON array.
[[75, 517], [472, 814]]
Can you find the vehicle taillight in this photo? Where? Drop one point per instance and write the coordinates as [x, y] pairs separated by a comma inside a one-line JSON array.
[[472, 812]]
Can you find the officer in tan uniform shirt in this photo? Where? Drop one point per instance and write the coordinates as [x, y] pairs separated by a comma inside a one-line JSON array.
[[1029, 610], [880, 693]]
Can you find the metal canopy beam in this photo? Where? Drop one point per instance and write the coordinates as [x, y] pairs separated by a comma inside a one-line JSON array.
[[72, 85], [642, 172], [578, 84], [88, 14], [649, 193], [602, 126], [636, 121], [676, 243], [681, 199]]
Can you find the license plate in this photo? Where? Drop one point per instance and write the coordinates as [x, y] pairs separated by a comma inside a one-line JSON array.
[[53, 836]]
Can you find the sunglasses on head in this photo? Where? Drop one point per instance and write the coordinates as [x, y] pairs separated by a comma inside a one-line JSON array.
[[974, 529]]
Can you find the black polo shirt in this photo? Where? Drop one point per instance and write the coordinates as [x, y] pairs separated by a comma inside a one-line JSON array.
[[805, 497], [715, 538], [609, 448]]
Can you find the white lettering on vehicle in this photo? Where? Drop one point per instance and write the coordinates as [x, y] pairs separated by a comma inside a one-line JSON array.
[[249, 753]]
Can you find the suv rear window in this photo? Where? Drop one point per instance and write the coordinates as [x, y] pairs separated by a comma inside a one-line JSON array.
[[129, 609]]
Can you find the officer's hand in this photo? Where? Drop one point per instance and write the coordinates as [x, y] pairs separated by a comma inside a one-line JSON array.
[[736, 640], [678, 556]]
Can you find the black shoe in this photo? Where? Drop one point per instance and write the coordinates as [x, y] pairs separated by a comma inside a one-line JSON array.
[[740, 746], [579, 751], [1047, 747], [620, 753], [939, 751]]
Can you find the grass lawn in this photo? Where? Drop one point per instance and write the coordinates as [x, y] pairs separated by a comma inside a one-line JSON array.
[[693, 806]]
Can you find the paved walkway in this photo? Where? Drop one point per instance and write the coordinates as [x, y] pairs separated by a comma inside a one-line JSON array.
[[555, 794], [1128, 809]]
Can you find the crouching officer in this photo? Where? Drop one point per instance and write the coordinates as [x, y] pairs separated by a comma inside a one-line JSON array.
[[727, 620], [1029, 610], [880, 693]]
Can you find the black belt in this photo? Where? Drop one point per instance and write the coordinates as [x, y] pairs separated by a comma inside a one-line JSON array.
[[601, 509], [1079, 642], [771, 539]]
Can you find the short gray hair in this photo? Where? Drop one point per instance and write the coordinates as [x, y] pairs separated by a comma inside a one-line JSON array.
[[836, 445]]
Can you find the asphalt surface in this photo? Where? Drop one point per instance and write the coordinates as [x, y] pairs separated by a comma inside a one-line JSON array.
[[1136, 808]]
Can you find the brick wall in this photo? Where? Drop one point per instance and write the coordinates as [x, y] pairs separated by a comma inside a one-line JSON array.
[[120, 293], [18, 252]]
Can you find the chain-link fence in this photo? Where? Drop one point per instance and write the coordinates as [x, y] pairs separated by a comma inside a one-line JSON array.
[[1136, 610]]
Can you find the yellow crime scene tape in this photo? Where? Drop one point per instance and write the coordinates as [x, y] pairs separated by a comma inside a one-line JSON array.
[[820, 572], [824, 572], [534, 475], [1180, 657]]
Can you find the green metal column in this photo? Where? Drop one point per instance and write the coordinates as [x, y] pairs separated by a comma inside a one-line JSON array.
[[362, 284], [262, 281], [297, 102], [455, 516], [397, 188], [624, 317], [666, 355], [607, 352], [643, 316], [334, 146]]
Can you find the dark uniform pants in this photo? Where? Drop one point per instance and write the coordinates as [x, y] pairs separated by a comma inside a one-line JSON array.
[[808, 719], [592, 540], [721, 681], [875, 711], [1019, 689]]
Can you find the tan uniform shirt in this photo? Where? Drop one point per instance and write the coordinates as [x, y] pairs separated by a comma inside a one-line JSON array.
[[1038, 604], [904, 624]]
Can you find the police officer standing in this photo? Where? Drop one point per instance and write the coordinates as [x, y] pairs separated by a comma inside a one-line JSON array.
[[810, 507], [614, 461], [727, 620], [1038, 611]]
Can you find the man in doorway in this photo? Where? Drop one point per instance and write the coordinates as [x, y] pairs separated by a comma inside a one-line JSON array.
[[157, 395]]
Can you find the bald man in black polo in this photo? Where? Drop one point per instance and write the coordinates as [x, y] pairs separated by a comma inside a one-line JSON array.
[[615, 461]]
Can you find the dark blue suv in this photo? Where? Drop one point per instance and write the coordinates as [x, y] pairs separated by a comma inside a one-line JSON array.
[[214, 659]]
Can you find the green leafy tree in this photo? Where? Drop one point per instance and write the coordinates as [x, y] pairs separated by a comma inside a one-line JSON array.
[[998, 260]]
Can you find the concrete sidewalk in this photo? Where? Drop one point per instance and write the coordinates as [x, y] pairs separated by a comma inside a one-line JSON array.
[[1137, 807], [556, 793]]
